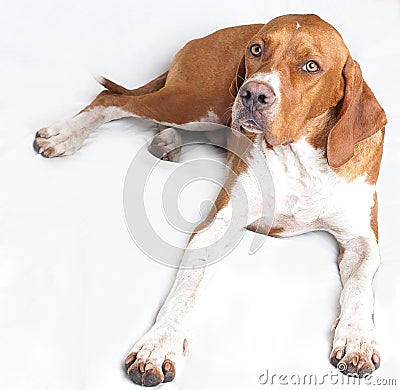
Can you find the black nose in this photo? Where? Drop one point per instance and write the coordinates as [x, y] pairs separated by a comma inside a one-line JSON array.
[[257, 96]]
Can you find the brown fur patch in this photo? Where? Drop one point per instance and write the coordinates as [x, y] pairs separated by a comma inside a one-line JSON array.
[[262, 229], [360, 116], [276, 231], [374, 217], [366, 160]]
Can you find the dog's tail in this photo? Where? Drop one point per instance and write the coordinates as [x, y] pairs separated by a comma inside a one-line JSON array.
[[151, 86]]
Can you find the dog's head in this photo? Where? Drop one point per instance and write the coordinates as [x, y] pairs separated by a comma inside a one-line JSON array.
[[295, 70]]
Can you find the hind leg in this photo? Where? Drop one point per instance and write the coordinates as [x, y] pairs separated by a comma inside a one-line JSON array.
[[167, 106], [65, 137]]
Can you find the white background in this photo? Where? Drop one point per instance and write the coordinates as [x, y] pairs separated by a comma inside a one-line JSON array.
[[75, 291]]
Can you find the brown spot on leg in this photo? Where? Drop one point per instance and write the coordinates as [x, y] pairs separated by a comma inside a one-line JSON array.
[[259, 227], [276, 231]]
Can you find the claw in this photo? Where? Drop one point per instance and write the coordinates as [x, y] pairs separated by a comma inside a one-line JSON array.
[[130, 360], [339, 354]]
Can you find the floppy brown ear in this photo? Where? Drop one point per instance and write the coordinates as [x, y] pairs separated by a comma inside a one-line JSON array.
[[360, 116], [239, 77]]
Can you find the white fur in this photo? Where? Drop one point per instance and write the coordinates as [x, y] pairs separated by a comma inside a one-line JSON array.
[[66, 137], [211, 117], [309, 191]]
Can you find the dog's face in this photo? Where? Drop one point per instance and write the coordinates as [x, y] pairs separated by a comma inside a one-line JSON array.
[[293, 74]]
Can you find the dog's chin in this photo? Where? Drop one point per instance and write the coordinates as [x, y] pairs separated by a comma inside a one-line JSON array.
[[250, 127]]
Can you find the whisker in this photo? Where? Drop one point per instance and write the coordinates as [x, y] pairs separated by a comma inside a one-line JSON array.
[[227, 112], [230, 91]]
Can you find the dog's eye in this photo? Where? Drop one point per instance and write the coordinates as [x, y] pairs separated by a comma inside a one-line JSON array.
[[311, 67], [256, 50]]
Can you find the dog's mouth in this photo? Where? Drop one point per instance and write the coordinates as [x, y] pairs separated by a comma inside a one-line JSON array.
[[250, 126]]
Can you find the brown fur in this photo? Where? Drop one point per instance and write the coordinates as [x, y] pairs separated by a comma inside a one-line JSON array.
[[366, 160], [374, 217], [199, 80], [150, 87], [361, 117], [262, 229]]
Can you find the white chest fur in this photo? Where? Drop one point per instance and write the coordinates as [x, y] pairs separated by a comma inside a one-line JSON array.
[[313, 196]]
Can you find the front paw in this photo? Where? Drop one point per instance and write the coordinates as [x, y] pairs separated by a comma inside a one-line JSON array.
[[153, 359], [355, 350]]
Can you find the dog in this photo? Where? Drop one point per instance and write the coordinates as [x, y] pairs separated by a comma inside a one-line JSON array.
[[291, 88]]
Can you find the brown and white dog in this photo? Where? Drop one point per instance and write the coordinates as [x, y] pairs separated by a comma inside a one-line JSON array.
[[299, 97]]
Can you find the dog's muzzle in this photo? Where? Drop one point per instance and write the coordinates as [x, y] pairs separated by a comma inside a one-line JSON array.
[[255, 101]]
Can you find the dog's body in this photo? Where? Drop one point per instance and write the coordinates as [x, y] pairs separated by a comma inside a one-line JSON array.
[[300, 99]]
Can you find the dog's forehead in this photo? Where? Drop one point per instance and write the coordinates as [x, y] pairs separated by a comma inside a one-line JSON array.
[[299, 23], [303, 31]]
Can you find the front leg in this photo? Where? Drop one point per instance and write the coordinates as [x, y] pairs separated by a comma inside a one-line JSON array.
[[153, 359], [355, 349]]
